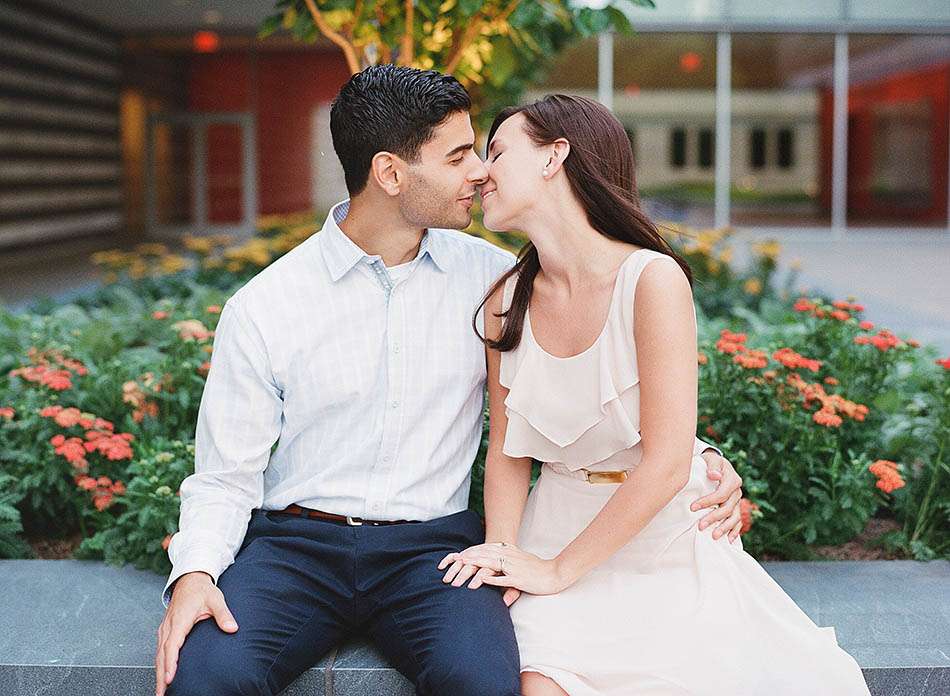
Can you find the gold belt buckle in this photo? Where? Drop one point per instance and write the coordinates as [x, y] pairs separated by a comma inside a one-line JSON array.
[[354, 521], [605, 476]]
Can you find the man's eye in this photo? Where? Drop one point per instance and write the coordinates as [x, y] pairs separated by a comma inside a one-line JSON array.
[[456, 161]]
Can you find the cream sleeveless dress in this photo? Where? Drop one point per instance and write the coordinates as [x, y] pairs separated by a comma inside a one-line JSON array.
[[673, 612]]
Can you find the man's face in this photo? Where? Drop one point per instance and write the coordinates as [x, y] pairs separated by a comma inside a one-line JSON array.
[[442, 183]]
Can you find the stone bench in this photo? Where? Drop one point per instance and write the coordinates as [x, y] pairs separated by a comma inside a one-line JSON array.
[[84, 628]]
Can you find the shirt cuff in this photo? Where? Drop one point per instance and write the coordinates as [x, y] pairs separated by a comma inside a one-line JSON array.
[[702, 446], [206, 562]]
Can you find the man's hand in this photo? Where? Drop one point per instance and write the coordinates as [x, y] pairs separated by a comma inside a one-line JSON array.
[[195, 598], [726, 496]]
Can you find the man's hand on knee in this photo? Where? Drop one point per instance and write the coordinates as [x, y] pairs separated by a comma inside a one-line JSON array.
[[195, 597]]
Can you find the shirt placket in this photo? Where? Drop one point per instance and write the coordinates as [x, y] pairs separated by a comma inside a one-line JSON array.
[[376, 497]]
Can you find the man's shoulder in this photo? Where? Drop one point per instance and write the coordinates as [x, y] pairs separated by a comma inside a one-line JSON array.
[[467, 245], [276, 278]]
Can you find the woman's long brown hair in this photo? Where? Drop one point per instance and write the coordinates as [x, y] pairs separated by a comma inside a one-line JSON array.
[[600, 170]]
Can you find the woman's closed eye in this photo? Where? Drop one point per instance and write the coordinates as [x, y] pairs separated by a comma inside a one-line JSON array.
[[497, 155]]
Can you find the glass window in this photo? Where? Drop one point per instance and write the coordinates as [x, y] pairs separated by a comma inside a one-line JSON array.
[[757, 148], [785, 148], [781, 126], [678, 148], [706, 147], [903, 11], [664, 92], [898, 126]]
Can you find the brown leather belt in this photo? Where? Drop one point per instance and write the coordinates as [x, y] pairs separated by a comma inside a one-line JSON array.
[[320, 514]]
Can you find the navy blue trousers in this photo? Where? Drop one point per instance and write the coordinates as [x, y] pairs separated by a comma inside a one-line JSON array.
[[300, 586]]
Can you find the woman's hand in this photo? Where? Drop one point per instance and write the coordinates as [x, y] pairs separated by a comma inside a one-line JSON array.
[[510, 567]]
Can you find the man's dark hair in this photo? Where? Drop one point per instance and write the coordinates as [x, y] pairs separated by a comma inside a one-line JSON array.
[[390, 108]]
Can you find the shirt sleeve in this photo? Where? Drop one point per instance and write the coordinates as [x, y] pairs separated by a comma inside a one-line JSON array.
[[239, 419], [700, 446]]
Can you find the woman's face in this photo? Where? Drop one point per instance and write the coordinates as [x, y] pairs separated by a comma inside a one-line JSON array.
[[514, 176]]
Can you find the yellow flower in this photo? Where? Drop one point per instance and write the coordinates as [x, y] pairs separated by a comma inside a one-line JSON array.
[[769, 249], [151, 249], [753, 286]]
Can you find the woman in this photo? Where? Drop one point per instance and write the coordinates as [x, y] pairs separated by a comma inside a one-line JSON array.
[[591, 344]]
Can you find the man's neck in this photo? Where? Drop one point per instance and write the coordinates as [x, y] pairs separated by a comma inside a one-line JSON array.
[[394, 240]]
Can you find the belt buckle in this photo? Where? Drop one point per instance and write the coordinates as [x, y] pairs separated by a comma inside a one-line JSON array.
[[605, 476], [354, 521]]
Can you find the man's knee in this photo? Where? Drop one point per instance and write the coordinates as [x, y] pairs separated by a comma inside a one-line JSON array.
[[471, 676], [215, 669]]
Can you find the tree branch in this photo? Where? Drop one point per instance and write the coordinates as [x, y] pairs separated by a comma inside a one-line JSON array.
[[348, 49], [468, 36], [405, 49]]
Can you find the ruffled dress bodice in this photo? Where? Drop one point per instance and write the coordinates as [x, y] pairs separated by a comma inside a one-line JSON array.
[[582, 411]]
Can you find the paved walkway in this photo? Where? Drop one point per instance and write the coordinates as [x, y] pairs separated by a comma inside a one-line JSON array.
[[902, 277]]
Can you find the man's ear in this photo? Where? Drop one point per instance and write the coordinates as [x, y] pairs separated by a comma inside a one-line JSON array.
[[388, 171]]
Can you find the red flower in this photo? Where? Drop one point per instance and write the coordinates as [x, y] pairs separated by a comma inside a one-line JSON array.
[[840, 315], [944, 363], [7, 412], [746, 507], [866, 325], [159, 314], [803, 305]]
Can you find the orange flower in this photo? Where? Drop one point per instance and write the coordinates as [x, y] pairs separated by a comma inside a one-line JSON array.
[[803, 305], [752, 360], [159, 314], [866, 325], [701, 358], [944, 363], [831, 380], [214, 309], [913, 343], [71, 449], [50, 411], [746, 508], [7, 412], [68, 417], [888, 476], [102, 500], [730, 342], [827, 417], [166, 541], [87, 483], [711, 432], [840, 315], [792, 360], [118, 488], [114, 447], [192, 330]]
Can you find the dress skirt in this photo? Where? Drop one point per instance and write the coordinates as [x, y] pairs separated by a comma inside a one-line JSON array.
[[672, 613]]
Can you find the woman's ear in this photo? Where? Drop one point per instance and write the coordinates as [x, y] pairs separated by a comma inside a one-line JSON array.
[[557, 153], [388, 171]]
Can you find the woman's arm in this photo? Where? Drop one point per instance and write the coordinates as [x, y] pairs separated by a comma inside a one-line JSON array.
[[665, 335], [507, 479]]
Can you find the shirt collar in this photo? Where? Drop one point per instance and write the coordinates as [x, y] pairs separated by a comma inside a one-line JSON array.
[[341, 253]]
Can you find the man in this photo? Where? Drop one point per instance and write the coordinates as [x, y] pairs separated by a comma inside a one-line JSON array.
[[354, 352]]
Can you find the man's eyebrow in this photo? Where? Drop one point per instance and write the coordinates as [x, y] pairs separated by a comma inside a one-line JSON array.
[[461, 148]]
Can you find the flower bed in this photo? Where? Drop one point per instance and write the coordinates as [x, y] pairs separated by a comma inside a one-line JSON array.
[[832, 422]]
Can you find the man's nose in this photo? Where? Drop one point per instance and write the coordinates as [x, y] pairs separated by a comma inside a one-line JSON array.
[[479, 173]]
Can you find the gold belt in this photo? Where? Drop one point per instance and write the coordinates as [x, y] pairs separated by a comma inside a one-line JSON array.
[[588, 475], [605, 476]]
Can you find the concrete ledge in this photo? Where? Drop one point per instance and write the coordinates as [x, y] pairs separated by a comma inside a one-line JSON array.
[[75, 628]]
